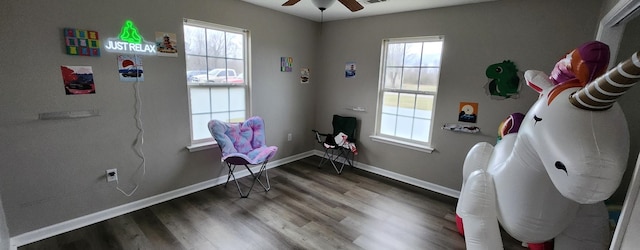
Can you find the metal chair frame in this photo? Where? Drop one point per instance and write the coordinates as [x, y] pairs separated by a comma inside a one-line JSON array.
[[256, 176], [333, 158]]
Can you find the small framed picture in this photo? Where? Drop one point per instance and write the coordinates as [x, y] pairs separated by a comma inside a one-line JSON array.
[[468, 112], [350, 70]]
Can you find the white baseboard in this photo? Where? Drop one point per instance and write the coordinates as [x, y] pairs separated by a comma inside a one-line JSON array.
[[403, 178], [66, 226]]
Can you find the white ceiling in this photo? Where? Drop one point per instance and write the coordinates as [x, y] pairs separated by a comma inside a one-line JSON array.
[[337, 11]]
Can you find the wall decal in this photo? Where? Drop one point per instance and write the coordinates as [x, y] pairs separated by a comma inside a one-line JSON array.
[[78, 80], [304, 75], [130, 68], [82, 42], [286, 64], [468, 112], [166, 44], [503, 80], [350, 70]]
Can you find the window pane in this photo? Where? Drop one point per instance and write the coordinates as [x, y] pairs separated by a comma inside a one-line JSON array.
[[410, 78], [236, 96], [406, 104], [235, 46], [395, 54], [393, 78], [216, 66], [429, 79], [199, 100], [403, 129], [388, 124], [216, 63], [215, 43], [412, 54], [390, 103], [236, 64], [424, 106], [224, 116], [219, 99], [237, 116], [421, 129], [432, 53], [194, 40], [199, 126], [196, 68]]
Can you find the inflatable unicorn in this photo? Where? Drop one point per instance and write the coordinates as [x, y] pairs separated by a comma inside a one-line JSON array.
[[546, 179]]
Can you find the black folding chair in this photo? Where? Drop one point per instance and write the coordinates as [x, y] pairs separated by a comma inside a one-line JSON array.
[[339, 152]]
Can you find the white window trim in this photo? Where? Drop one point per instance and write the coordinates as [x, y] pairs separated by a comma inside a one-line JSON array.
[[404, 144], [209, 143], [195, 147], [377, 137]]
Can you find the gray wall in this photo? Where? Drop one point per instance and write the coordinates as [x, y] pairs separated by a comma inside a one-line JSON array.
[[53, 170], [533, 34]]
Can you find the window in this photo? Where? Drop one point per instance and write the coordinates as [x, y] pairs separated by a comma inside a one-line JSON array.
[[216, 58], [410, 72]]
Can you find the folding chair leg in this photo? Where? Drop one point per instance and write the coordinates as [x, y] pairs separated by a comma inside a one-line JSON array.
[[333, 158], [263, 169], [230, 174], [325, 157]]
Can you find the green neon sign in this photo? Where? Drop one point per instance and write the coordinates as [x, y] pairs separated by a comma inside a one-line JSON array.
[[130, 41], [129, 33]]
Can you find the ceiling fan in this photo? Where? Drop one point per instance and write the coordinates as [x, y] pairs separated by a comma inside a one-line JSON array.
[[352, 5]]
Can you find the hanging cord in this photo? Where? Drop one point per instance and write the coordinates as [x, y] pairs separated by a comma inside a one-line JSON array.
[[139, 142]]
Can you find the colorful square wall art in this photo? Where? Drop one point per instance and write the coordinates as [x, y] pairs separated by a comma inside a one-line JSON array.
[[78, 80], [130, 68], [468, 112], [82, 42], [166, 44], [286, 64]]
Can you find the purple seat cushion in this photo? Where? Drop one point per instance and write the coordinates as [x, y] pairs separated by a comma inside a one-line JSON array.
[[242, 143]]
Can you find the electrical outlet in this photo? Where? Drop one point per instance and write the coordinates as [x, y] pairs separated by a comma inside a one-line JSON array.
[[112, 175], [289, 137]]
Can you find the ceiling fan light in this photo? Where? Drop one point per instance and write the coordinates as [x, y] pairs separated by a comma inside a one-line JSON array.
[[323, 4]]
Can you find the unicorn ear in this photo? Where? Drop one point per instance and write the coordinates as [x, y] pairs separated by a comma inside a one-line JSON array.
[[537, 80]]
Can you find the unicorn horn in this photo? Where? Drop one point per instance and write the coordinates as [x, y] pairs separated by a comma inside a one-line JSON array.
[[603, 92]]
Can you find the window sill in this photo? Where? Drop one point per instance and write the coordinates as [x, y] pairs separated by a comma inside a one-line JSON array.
[[404, 144], [202, 146]]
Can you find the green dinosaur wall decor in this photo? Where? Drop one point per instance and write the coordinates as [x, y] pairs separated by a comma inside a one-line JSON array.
[[503, 80]]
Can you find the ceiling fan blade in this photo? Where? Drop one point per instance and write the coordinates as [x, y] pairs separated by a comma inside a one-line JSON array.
[[290, 2], [352, 5]]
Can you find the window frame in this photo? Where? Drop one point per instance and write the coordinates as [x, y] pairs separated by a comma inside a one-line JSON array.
[[209, 142], [382, 89]]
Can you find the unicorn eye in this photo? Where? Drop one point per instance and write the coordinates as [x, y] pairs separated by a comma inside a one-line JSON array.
[[560, 166], [537, 119]]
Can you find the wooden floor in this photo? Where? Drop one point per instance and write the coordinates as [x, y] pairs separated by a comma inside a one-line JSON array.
[[307, 208]]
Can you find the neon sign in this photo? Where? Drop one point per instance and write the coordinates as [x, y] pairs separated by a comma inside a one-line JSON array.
[[130, 41]]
